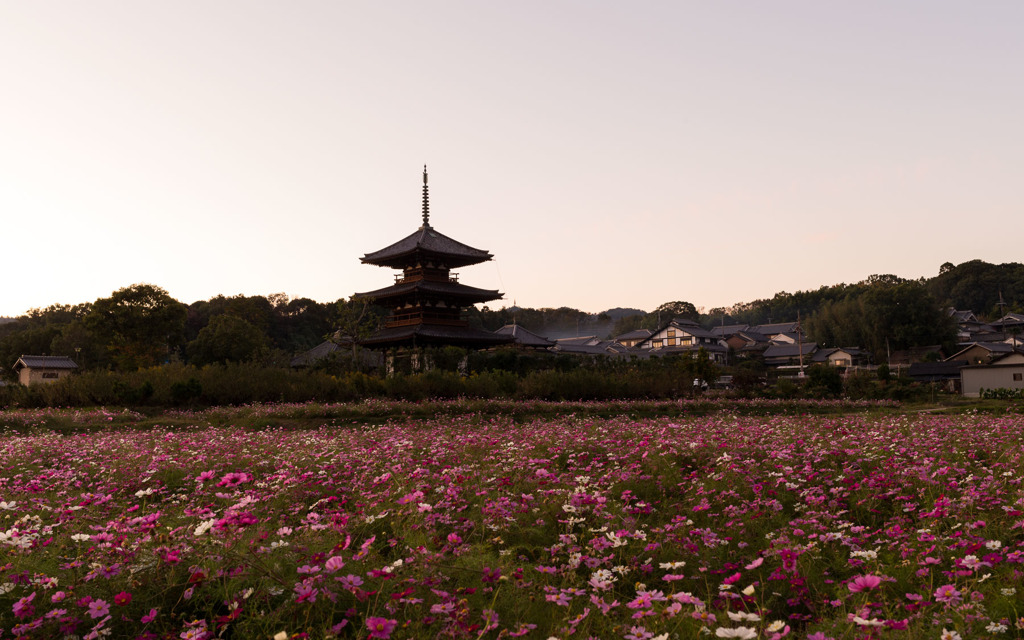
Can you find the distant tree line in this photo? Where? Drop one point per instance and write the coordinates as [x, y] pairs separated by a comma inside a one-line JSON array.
[[143, 326]]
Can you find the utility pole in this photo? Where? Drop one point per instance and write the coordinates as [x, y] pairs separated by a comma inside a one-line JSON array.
[[800, 342], [1002, 313]]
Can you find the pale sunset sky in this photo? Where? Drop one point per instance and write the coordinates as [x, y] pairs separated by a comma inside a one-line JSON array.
[[607, 153]]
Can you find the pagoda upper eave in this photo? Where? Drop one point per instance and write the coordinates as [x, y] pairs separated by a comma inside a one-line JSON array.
[[426, 244]]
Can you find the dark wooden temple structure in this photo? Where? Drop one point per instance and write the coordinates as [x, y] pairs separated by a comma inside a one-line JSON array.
[[427, 300]]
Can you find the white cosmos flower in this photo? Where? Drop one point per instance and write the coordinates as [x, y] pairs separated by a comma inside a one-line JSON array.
[[204, 526], [744, 633]]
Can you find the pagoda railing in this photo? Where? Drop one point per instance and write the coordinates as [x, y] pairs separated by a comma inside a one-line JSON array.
[[433, 275], [420, 317]]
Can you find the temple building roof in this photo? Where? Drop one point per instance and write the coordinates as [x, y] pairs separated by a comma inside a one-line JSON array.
[[463, 293], [426, 245], [429, 335]]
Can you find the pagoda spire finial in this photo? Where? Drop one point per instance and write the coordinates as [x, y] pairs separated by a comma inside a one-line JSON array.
[[426, 200]]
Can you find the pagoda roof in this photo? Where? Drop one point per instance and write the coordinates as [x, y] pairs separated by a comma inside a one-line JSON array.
[[434, 289], [428, 334], [426, 242]]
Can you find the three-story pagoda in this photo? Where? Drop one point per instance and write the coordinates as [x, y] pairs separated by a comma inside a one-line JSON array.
[[427, 300]]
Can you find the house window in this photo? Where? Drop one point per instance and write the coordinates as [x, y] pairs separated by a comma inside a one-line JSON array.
[[671, 333], [656, 344], [671, 342], [1017, 377], [49, 375], [685, 340]]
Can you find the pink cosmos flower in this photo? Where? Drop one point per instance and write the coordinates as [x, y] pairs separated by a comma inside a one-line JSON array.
[[380, 627], [23, 608], [234, 479], [863, 583], [98, 609], [304, 592], [334, 563], [122, 598], [149, 617], [350, 581], [947, 593]]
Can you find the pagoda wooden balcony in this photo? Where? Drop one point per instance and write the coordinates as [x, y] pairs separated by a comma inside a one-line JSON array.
[[423, 317], [432, 275]]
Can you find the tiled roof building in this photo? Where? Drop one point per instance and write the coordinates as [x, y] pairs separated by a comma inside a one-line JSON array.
[[38, 369]]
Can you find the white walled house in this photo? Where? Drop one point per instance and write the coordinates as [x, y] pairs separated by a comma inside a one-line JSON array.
[[43, 369], [1006, 372], [684, 336]]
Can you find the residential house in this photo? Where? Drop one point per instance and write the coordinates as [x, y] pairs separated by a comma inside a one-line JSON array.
[[1004, 372], [523, 338], [633, 338], [684, 336], [43, 369], [590, 347], [790, 355], [842, 357], [947, 374], [786, 337], [982, 352], [969, 328], [584, 341], [1011, 323], [747, 343], [772, 330], [726, 330]]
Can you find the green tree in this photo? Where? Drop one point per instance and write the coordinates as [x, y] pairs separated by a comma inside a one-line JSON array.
[[357, 319], [882, 312], [677, 309], [80, 344], [824, 381], [139, 325], [227, 338]]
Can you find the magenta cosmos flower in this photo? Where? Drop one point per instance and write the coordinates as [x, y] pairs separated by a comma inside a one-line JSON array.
[[863, 583], [381, 627], [947, 593]]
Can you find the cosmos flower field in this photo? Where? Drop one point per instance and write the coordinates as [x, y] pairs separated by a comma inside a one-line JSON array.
[[865, 525]]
